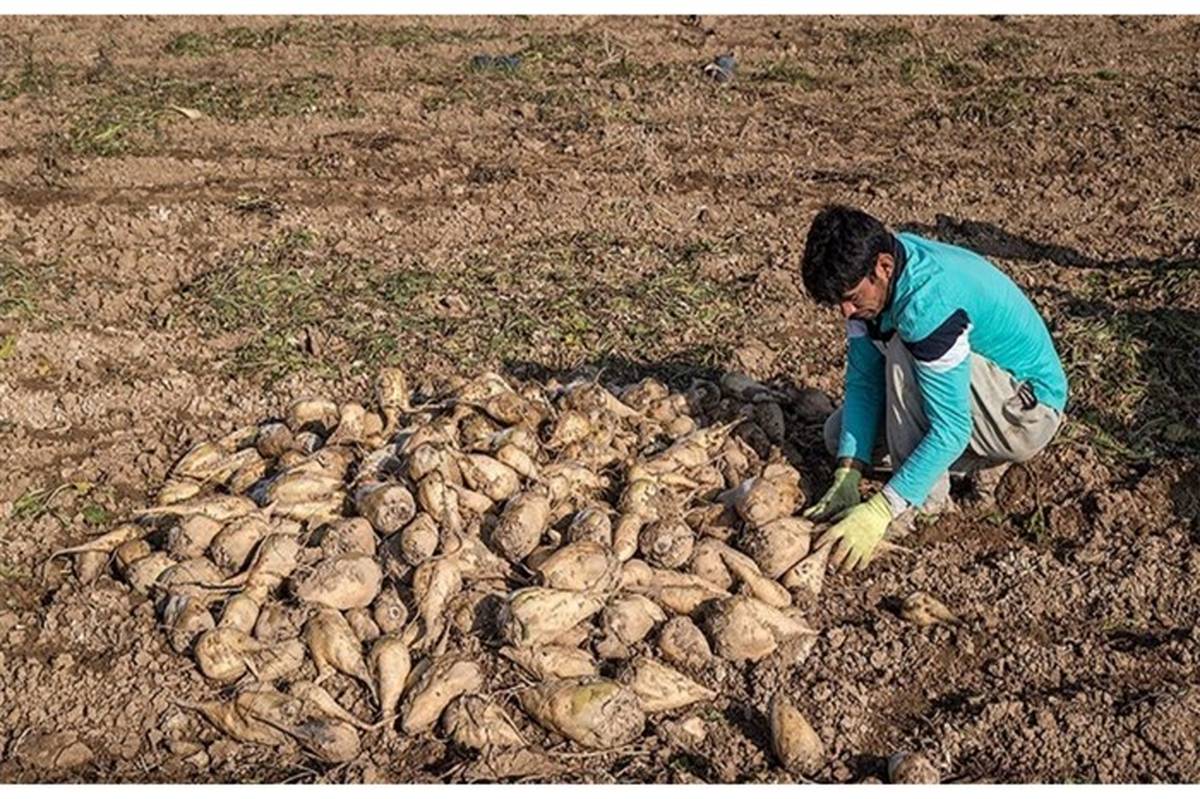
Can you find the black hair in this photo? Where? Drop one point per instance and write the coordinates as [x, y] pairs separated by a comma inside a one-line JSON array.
[[842, 248]]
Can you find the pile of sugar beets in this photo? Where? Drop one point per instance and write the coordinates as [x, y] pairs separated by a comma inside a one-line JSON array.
[[603, 543]]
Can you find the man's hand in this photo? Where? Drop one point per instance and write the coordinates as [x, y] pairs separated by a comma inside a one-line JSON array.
[[857, 535], [843, 494]]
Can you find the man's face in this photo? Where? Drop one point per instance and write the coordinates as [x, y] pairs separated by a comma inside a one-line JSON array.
[[866, 299]]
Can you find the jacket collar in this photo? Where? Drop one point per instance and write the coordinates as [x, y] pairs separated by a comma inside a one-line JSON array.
[[899, 257]]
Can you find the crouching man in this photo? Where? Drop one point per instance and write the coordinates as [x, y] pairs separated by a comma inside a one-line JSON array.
[[949, 369]]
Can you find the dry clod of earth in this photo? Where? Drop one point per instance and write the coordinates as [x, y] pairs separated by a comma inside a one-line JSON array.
[[911, 768], [423, 554], [60, 750]]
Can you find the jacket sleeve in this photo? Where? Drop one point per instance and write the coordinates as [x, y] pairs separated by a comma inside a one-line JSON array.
[[943, 367], [863, 408]]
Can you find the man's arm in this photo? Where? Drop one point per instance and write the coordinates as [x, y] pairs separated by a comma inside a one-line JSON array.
[[862, 411], [943, 368]]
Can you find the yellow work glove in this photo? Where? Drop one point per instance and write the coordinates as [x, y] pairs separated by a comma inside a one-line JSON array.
[[843, 494], [857, 535]]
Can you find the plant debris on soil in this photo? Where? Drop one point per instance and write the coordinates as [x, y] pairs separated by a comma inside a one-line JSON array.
[[347, 196]]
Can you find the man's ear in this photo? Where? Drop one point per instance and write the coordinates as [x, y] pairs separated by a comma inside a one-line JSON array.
[[884, 265]]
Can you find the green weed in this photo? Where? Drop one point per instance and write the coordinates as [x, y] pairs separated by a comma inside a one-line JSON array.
[[579, 50], [320, 35], [18, 290], [625, 68], [96, 516], [1006, 49], [886, 37], [787, 72], [35, 76], [993, 105], [1037, 528], [8, 572], [110, 124], [238, 37], [260, 204], [551, 300], [39, 502], [940, 69], [1129, 345], [190, 44]]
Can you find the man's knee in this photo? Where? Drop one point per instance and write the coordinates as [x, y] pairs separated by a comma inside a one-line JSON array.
[[1033, 445], [1025, 436], [833, 431]]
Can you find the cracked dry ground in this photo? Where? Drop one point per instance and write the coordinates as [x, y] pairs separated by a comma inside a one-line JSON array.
[[353, 194]]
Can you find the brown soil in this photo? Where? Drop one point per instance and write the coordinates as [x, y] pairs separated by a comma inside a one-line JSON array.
[[355, 194]]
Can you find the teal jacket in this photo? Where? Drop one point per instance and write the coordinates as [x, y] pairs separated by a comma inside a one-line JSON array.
[[946, 303]]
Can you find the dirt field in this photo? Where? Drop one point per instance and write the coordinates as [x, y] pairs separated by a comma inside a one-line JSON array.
[[353, 193]]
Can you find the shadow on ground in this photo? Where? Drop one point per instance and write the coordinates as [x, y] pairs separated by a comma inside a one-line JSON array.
[[1130, 342], [994, 241]]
